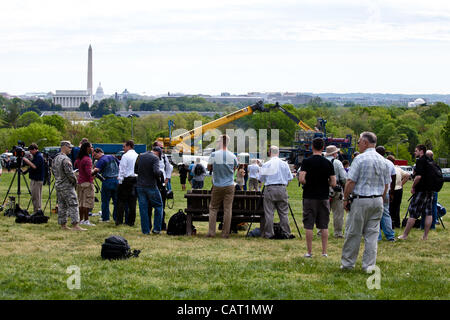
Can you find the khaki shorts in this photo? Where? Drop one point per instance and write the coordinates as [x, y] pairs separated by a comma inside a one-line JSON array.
[[86, 195]]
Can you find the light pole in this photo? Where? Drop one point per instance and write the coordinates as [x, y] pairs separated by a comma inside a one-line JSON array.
[[401, 141]]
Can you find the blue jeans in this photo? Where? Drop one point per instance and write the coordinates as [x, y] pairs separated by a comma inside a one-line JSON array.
[[149, 198], [386, 222], [108, 192]]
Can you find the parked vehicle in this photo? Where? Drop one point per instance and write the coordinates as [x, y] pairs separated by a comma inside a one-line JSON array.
[[446, 174], [408, 169]]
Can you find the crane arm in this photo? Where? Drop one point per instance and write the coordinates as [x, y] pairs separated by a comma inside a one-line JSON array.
[[259, 106], [300, 123]]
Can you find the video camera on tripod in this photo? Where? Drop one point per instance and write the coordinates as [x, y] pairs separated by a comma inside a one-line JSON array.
[[19, 152]]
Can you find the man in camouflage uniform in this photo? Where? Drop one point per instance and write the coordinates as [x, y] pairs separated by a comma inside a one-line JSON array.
[[65, 183]]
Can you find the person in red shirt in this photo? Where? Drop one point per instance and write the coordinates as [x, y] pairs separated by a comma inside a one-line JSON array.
[[85, 186]]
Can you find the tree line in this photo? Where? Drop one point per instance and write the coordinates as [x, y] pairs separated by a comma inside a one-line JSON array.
[[399, 129]]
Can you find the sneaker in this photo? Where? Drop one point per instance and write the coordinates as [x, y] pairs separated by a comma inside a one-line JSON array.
[[325, 255], [345, 268], [307, 255], [391, 240], [88, 223], [400, 237], [82, 222]]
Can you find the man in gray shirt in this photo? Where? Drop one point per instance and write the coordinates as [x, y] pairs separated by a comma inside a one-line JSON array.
[[222, 163], [336, 203], [148, 173]]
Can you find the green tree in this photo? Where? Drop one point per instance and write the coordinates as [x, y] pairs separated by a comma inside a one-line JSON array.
[[27, 118], [55, 121], [42, 134], [84, 106]]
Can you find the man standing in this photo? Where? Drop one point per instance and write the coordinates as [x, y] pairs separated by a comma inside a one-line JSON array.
[[394, 207], [108, 167], [148, 173], [429, 154], [254, 176], [275, 174], [316, 175], [36, 174], [65, 183], [336, 203], [368, 179], [166, 169], [422, 201], [222, 163], [126, 193], [386, 220]]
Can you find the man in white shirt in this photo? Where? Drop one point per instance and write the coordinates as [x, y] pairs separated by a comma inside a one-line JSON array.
[[253, 175], [275, 174], [126, 193]]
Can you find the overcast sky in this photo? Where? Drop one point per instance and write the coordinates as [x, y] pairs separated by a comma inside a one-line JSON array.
[[236, 46]]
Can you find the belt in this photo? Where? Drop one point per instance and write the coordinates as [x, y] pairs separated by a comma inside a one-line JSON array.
[[269, 185], [365, 197]]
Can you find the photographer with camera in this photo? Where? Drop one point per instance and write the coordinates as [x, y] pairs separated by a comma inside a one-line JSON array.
[[336, 193], [36, 175], [107, 170], [65, 183]]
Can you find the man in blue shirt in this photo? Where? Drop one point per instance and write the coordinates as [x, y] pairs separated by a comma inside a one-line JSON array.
[[36, 174], [222, 163], [108, 167]]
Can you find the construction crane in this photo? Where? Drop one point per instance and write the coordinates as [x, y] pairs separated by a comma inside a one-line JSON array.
[[299, 122], [178, 143]]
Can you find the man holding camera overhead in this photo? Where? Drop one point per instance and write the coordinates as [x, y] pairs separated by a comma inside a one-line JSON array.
[[36, 174], [336, 196], [108, 167]]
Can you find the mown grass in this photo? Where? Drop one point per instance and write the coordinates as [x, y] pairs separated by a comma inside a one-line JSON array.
[[34, 260]]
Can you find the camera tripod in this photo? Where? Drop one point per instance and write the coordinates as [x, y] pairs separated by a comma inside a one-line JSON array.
[[17, 176], [259, 206]]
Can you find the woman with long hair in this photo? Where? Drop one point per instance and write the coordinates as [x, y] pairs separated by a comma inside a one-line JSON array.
[[85, 186]]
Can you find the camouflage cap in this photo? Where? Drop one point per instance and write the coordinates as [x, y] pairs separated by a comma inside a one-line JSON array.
[[67, 144]]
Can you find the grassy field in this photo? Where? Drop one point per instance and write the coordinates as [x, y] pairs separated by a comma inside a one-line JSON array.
[[34, 260]]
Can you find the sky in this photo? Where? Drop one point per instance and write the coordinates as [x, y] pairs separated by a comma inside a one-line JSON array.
[[235, 46]]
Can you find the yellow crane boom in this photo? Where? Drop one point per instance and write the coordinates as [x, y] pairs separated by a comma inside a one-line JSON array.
[[179, 140]]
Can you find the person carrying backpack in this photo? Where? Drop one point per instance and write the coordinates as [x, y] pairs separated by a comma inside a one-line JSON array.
[[199, 175], [426, 181]]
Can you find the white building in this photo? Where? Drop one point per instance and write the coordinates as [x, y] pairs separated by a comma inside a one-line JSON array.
[[71, 98]]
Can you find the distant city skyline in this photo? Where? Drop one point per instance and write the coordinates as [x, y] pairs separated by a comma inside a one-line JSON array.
[[209, 47]]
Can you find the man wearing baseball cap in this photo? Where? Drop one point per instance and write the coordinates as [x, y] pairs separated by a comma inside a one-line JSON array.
[[65, 183], [336, 203]]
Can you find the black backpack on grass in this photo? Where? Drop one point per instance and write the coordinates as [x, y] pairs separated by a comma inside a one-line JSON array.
[[116, 248], [177, 224]]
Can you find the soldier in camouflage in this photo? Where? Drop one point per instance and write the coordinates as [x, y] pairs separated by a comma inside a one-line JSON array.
[[65, 183]]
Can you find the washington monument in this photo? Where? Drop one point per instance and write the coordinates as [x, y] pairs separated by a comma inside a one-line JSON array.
[[89, 76]]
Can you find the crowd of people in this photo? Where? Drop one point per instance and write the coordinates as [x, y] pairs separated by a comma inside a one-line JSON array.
[[370, 190]]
